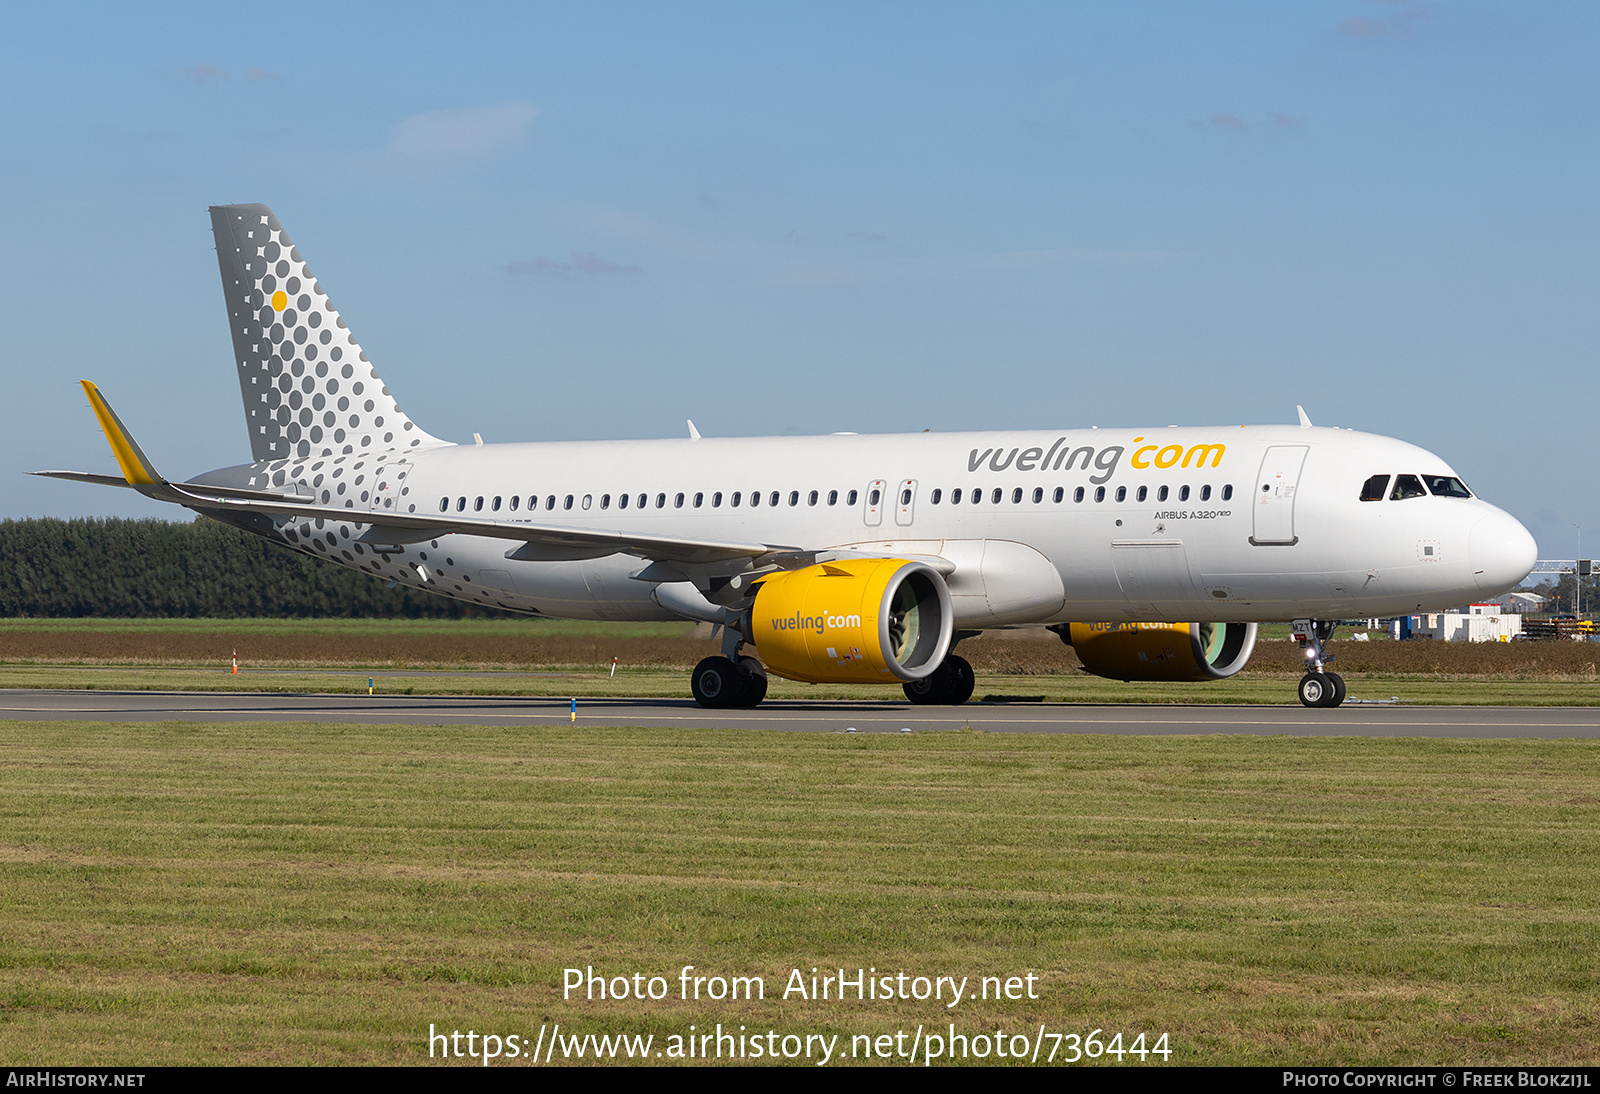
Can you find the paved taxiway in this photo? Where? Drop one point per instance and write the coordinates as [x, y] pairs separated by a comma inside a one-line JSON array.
[[867, 717]]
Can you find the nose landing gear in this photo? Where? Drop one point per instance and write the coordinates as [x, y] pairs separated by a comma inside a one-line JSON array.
[[1318, 687]]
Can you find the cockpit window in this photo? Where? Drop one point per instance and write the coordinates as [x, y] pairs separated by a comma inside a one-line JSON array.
[[1446, 486], [1407, 486], [1374, 488]]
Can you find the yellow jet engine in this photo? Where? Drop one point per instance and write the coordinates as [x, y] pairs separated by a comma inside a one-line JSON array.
[[1161, 651], [878, 620]]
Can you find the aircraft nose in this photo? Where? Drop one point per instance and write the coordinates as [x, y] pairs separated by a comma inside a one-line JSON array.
[[1501, 552]]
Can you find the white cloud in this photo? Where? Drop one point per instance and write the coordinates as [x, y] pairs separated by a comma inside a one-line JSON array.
[[581, 263], [462, 131], [667, 238], [915, 269]]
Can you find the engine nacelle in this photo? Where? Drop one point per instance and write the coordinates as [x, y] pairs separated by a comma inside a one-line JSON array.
[[877, 620], [1162, 651]]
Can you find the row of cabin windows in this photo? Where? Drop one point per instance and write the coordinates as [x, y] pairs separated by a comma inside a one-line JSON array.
[[1411, 486], [623, 501], [997, 495], [775, 498]]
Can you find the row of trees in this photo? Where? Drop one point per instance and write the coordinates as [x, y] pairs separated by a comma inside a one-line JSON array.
[[135, 568], [1559, 594]]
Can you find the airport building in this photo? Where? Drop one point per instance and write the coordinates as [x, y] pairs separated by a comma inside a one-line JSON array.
[[1473, 623]]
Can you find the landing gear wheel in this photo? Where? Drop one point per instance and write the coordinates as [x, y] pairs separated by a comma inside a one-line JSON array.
[[1317, 689], [932, 690], [950, 684], [717, 683], [1338, 688], [963, 679], [753, 678]]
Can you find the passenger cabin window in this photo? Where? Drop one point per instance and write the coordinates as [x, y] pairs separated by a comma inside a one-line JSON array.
[[905, 497], [1144, 492], [605, 501], [514, 499], [1161, 494], [1122, 493], [477, 505], [733, 502], [773, 500], [1016, 496], [661, 501], [495, 505], [444, 504], [811, 498], [567, 504], [1446, 486], [588, 500], [850, 499], [1407, 486], [622, 501], [1099, 493], [1077, 495], [833, 497], [794, 498], [550, 502], [755, 498], [933, 498], [1205, 493], [716, 500], [1183, 493], [955, 496], [1038, 494], [677, 502], [872, 499], [699, 499], [1227, 493], [1058, 495], [1373, 489]]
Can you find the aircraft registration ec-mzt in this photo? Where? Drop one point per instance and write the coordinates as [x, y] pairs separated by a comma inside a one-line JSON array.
[[840, 558]]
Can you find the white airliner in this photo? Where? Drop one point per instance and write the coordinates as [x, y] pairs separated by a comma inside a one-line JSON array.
[[839, 558]]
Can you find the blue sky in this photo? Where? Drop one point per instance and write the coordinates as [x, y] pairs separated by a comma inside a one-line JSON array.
[[591, 221]]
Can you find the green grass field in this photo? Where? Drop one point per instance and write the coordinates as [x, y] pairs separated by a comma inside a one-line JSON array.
[[674, 683], [320, 894], [550, 658]]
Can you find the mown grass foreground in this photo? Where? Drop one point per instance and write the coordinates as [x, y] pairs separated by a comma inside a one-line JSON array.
[[292, 893]]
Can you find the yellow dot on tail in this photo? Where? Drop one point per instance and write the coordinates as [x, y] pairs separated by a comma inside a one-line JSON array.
[[280, 300]]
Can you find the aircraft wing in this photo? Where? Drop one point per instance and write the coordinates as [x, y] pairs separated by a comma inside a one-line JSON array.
[[555, 540], [540, 542]]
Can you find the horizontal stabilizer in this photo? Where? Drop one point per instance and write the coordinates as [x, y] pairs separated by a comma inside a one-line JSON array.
[[85, 476]]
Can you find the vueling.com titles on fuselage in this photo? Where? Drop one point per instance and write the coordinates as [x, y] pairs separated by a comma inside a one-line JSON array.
[[1062, 457]]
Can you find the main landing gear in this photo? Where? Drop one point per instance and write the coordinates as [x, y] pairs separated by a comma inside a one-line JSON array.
[[950, 684], [1318, 687], [720, 683]]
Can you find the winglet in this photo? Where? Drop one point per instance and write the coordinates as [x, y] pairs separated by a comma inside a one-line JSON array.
[[694, 434], [136, 467], [1305, 420]]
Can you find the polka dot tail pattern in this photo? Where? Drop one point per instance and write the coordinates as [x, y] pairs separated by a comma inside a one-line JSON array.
[[308, 388]]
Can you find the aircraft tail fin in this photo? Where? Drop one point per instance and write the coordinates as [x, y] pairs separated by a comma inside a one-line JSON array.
[[308, 388]]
